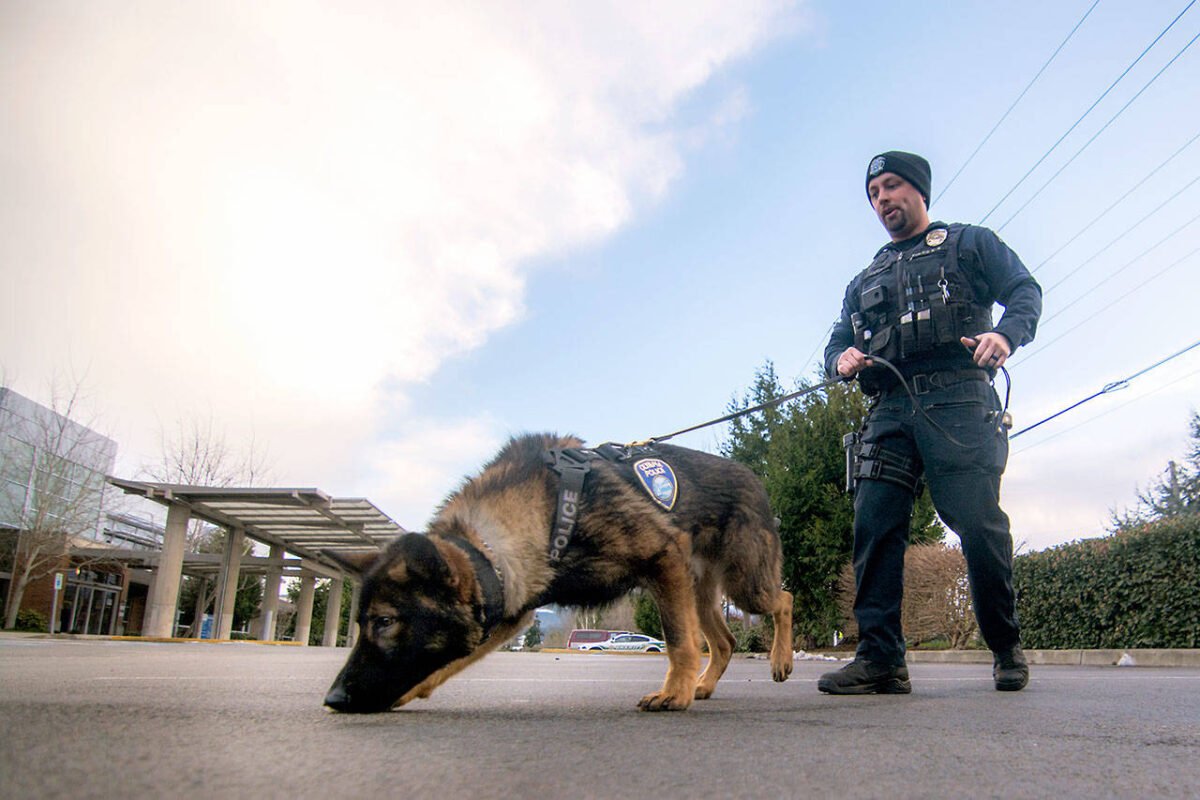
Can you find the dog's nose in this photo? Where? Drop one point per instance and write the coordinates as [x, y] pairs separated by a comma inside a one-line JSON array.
[[338, 699]]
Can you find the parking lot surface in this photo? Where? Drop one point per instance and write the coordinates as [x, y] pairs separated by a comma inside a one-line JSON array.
[[105, 718]]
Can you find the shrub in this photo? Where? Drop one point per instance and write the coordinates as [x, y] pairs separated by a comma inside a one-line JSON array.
[[30, 620], [752, 638], [1135, 588], [645, 615], [937, 599]]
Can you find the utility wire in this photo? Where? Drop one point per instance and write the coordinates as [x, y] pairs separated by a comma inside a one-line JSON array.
[[1111, 387], [1018, 100], [1118, 201], [1096, 135], [1130, 402], [1098, 311], [820, 344], [1089, 111], [1122, 235], [1126, 266]]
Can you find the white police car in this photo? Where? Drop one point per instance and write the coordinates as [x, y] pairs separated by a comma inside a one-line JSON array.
[[635, 643]]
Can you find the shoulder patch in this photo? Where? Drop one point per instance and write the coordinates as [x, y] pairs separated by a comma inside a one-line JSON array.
[[658, 479]]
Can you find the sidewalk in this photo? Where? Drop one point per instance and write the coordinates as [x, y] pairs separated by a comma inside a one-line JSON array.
[[1133, 657], [93, 637]]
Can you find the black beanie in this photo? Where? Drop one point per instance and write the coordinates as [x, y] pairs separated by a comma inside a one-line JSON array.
[[909, 166]]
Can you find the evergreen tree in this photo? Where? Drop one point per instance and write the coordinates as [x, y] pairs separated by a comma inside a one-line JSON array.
[[316, 631], [797, 450], [533, 635], [1174, 493], [645, 615]]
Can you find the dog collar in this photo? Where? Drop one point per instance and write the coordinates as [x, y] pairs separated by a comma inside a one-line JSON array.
[[491, 585]]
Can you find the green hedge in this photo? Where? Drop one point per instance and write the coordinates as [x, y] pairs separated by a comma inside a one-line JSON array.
[[1135, 588]]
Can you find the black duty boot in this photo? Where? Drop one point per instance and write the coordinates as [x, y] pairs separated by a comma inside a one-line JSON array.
[[864, 677], [1010, 670]]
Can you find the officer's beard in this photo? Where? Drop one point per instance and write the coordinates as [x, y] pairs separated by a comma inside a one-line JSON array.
[[895, 220]]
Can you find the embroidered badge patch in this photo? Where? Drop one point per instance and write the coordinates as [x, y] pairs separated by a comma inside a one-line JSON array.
[[658, 479], [935, 237], [876, 166]]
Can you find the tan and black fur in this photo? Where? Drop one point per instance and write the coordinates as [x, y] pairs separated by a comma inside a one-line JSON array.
[[420, 600]]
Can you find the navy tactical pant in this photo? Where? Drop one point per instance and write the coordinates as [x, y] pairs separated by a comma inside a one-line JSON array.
[[964, 484]]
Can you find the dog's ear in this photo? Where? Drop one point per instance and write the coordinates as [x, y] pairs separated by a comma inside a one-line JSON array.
[[462, 574], [413, 557], [356, 564]]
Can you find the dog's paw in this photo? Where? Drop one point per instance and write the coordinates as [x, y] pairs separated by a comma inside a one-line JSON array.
[[664, 701], [704, 692], [419, 693], [781, 671]]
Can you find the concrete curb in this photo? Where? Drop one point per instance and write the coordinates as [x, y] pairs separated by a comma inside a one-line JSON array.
[[597, 652], [153, 639], [1132, 657]]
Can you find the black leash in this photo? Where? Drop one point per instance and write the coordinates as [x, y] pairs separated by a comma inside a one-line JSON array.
[[742, 413], [918, 407], [818, 387]]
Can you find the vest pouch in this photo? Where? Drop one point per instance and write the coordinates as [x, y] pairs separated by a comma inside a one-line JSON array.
[[908, 334], [944, 332], [884, 344], [924, 326]]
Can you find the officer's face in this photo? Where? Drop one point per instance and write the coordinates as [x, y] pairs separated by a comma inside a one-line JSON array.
[[898, 205]]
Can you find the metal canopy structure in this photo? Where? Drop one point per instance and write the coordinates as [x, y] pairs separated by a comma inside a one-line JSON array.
[[305, 522]]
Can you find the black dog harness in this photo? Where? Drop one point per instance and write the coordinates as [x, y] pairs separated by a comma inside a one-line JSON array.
[[491, 584], [573, 464]]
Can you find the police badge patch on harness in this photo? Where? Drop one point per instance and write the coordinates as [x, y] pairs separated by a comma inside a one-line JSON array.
[[658, 479]]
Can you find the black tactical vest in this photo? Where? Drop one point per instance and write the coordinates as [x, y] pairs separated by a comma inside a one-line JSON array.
[[914, 306]]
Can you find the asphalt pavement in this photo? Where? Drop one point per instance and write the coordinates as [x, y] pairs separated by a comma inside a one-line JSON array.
[[118, 718]]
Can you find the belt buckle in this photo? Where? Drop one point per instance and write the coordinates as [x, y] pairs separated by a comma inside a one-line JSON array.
[[921, 384]]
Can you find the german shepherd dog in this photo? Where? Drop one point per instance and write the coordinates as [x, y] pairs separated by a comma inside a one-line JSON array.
[[434, 603]]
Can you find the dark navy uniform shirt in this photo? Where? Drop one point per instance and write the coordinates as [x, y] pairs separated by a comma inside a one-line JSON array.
[[996, 275]]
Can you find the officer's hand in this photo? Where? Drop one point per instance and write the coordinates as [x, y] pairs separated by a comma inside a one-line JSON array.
[[851, 362], [991, 349]]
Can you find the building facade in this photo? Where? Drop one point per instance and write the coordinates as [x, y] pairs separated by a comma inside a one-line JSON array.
[[52, 495]]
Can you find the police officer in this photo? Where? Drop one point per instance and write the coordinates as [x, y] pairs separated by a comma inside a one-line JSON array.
[[925, 305]]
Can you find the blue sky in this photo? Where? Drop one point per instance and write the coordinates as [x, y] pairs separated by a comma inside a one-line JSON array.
[[382, 240]]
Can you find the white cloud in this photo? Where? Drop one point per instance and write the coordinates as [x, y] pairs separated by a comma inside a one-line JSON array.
[[273, 210], [424, 462]]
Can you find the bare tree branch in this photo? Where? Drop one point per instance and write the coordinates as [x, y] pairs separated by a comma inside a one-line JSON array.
[[53, 493]]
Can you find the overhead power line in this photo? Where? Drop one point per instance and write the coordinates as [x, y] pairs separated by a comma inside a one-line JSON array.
[[1004, 116], [1168, 385], [1126, 266], [1096, 135], [1074, 125], [1101, 310], [821, 344], [1116, 203], [1108, 388], [1125, 233]]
